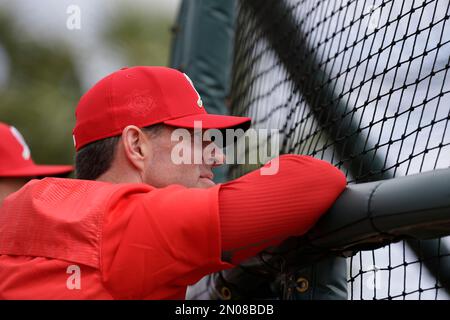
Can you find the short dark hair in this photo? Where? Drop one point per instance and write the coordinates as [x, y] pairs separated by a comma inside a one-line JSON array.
[[96, 158]]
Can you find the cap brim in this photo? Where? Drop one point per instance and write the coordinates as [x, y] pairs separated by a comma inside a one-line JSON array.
[[211, 121], [38, 171]]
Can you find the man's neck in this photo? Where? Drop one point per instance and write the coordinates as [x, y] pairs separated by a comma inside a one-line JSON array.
[[10, 185], [112, 176]]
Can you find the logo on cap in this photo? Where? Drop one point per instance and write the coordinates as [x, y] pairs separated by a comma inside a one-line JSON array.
[[26, 154], [199, 101]]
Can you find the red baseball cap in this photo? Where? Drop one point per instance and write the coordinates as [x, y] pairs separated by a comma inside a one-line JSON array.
[[143, 96], [16, 161]]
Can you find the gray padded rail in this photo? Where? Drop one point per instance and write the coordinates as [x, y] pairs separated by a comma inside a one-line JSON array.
[[369, 215]]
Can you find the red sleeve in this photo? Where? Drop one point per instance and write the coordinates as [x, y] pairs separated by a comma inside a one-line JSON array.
[[159, 238], [258, 211]]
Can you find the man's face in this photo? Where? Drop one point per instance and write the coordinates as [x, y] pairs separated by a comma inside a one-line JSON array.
[[161, 169]]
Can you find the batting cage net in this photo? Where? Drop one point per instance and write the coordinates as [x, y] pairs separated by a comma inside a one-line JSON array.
[[364, 85]]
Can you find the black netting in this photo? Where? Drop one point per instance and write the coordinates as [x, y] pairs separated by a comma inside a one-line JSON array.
[[362, 84]]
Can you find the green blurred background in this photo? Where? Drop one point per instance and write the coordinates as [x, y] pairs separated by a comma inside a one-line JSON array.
[[45, 67]]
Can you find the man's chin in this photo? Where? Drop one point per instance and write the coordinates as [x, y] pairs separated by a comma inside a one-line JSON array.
[[205, 183]]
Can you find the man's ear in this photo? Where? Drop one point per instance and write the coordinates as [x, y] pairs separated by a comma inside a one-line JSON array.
[[135, 145]]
